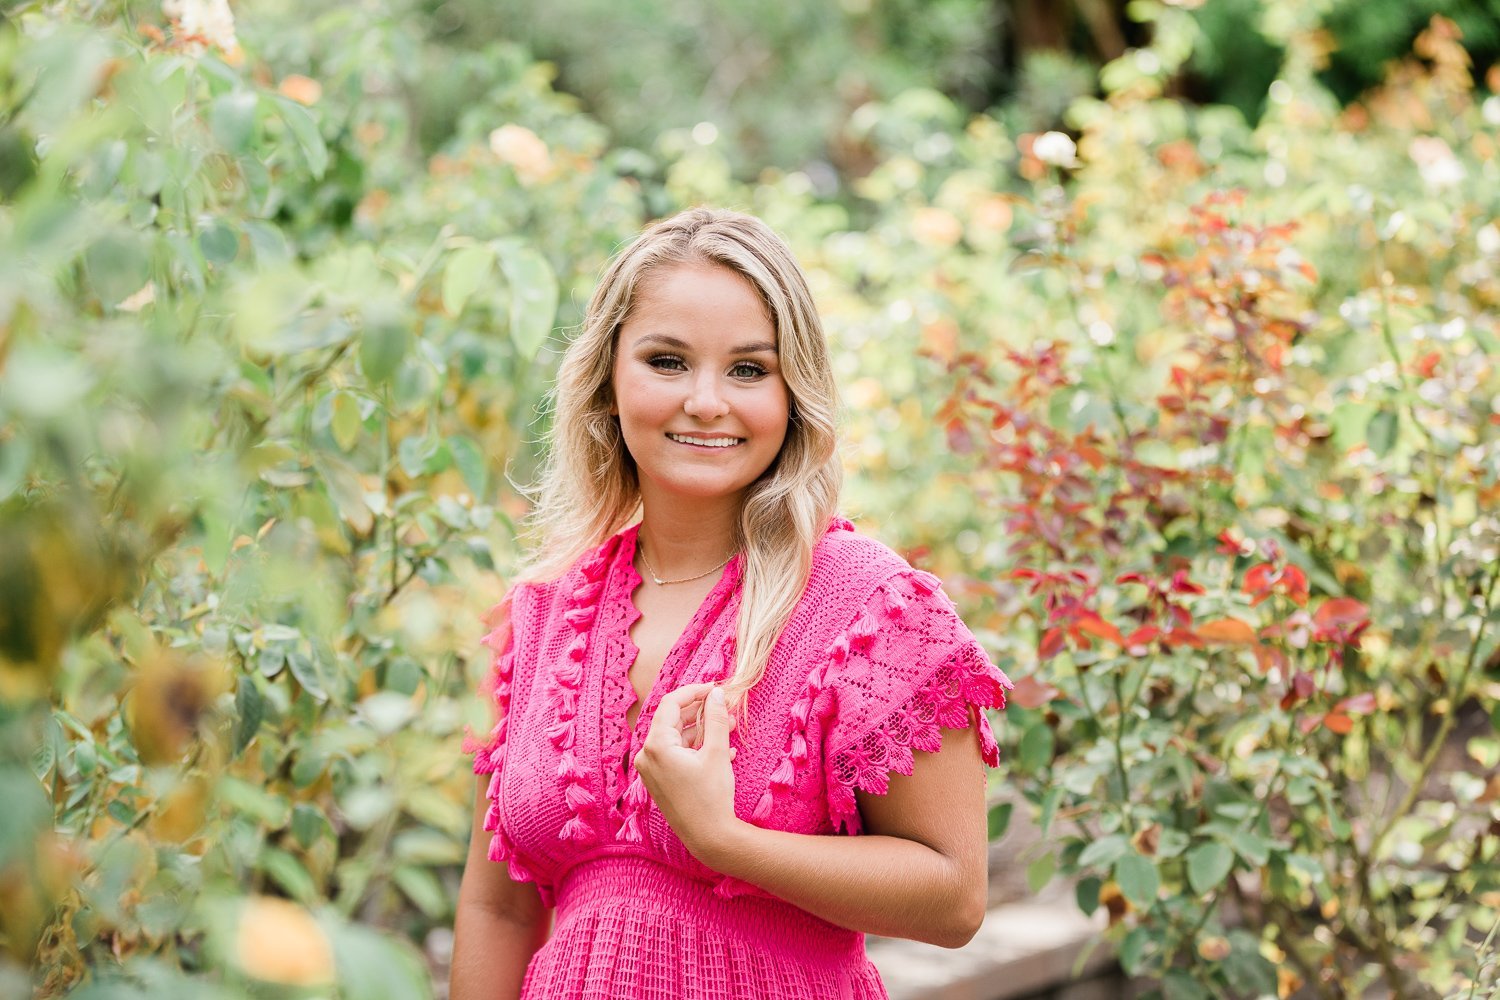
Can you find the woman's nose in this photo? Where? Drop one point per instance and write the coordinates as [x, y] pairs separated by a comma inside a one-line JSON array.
[[705, 401]]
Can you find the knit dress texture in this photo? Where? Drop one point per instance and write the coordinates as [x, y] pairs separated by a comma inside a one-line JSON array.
[[872, 665]]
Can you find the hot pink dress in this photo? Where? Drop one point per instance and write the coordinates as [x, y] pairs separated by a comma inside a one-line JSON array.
[[873, 663]]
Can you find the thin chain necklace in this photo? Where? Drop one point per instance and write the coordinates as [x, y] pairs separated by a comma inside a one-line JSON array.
[[687, 579]]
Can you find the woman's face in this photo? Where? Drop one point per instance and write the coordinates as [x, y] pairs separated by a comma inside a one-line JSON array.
[[697, 384]]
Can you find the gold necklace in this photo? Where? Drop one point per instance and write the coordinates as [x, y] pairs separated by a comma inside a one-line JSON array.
[[687, 579]]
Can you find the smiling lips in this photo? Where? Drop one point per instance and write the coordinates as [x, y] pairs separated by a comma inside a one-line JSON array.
[[706, 442]]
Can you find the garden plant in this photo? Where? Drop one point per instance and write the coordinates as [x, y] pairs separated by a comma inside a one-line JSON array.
[[1199, 419]]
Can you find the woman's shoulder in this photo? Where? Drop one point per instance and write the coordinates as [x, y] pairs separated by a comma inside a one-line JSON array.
[[577, 583], [846, 554]]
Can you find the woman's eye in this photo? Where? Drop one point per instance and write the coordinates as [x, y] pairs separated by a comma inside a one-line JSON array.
[[666, 362], [747, 370]]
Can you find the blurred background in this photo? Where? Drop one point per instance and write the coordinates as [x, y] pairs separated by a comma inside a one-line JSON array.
[[1167, 335]]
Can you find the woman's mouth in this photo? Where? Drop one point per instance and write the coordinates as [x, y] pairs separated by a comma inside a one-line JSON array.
[[719, 441]]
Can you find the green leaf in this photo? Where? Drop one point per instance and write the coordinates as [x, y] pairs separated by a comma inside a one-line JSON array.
[[305, 130], [1103, 851], [1087, 894], [1208, 865], [1132, 953], [254, 801], [287, 872], [344, 420], [466, 271], [1180, 985], [375, 966], [250, 708], [1248, 971], [1040, 871], [219, 243], [472, 464], [309, 824], [1035, 750], [118, 266], [1254, 849], [1048, 809], [533, 297], [423, 889], [232, 118], [382, 344], [422, 846], [25, 814], [1138, 879], [999, 819], [305, 669], [1380, 435]]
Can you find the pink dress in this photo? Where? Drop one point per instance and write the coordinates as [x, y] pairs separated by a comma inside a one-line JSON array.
[[872, 664]]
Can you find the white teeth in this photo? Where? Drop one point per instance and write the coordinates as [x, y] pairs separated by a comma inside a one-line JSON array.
[[720, 442]]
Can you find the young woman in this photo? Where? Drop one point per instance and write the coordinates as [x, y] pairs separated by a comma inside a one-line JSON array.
[[706, 679]]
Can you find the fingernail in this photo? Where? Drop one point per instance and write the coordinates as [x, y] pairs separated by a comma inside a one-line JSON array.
[[717, 695]]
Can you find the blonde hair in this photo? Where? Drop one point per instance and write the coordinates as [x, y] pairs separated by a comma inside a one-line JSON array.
[[588, 488]]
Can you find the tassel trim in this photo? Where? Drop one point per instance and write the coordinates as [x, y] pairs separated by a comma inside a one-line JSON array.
[[944, 701], [563, 683]]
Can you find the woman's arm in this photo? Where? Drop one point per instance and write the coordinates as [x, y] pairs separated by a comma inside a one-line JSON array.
[[920, 870], [499, 925]]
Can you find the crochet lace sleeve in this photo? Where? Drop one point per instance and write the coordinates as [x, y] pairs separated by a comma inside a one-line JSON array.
[[906, 669]]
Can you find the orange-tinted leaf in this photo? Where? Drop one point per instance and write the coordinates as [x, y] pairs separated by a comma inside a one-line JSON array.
[[1340, 611], [1338, 722], [1094, 625], [1228, 630], [1032, 693], [1051, 644], [1269, 657]]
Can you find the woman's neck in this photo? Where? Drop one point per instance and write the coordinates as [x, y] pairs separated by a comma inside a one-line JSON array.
[[686, 537]]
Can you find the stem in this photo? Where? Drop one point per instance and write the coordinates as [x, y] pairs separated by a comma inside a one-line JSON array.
[[1445, 724], [1382, 940], [1305, 966], [1484, 951], [385, 479], [1083, 696]]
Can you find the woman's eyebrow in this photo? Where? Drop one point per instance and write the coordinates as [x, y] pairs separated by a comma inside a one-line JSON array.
[[665, 340]]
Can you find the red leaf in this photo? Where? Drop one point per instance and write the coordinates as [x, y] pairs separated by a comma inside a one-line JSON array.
[[1308, 723], [1296, 584], [1360, 704], [1303, 684], [1427, 363], [1142, 635], [1051, 644], [1029, 692], [1340, 611]]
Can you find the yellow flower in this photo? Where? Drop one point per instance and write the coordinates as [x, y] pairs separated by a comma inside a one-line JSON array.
[[279, 942]]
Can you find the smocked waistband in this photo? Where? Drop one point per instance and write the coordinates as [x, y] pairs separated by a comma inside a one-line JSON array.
[[637, 885]]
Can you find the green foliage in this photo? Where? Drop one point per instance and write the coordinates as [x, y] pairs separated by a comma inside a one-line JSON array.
[[262, 369], [1200, 427]]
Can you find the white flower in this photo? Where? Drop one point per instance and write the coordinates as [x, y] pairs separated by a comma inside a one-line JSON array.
[[1055, 148], [1439, 167], [203, 21]]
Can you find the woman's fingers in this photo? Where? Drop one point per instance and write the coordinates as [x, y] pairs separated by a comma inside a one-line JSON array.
[[681, 715]]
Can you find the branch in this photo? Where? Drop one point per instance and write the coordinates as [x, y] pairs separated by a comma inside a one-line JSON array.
[[1445, 725]]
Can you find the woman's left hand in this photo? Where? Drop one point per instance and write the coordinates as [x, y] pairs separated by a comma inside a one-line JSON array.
[[684, 764]]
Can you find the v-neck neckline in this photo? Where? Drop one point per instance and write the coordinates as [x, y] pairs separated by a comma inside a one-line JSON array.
[[622, 738]]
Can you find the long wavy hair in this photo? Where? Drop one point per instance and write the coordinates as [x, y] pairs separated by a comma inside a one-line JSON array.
[[588, 488]]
